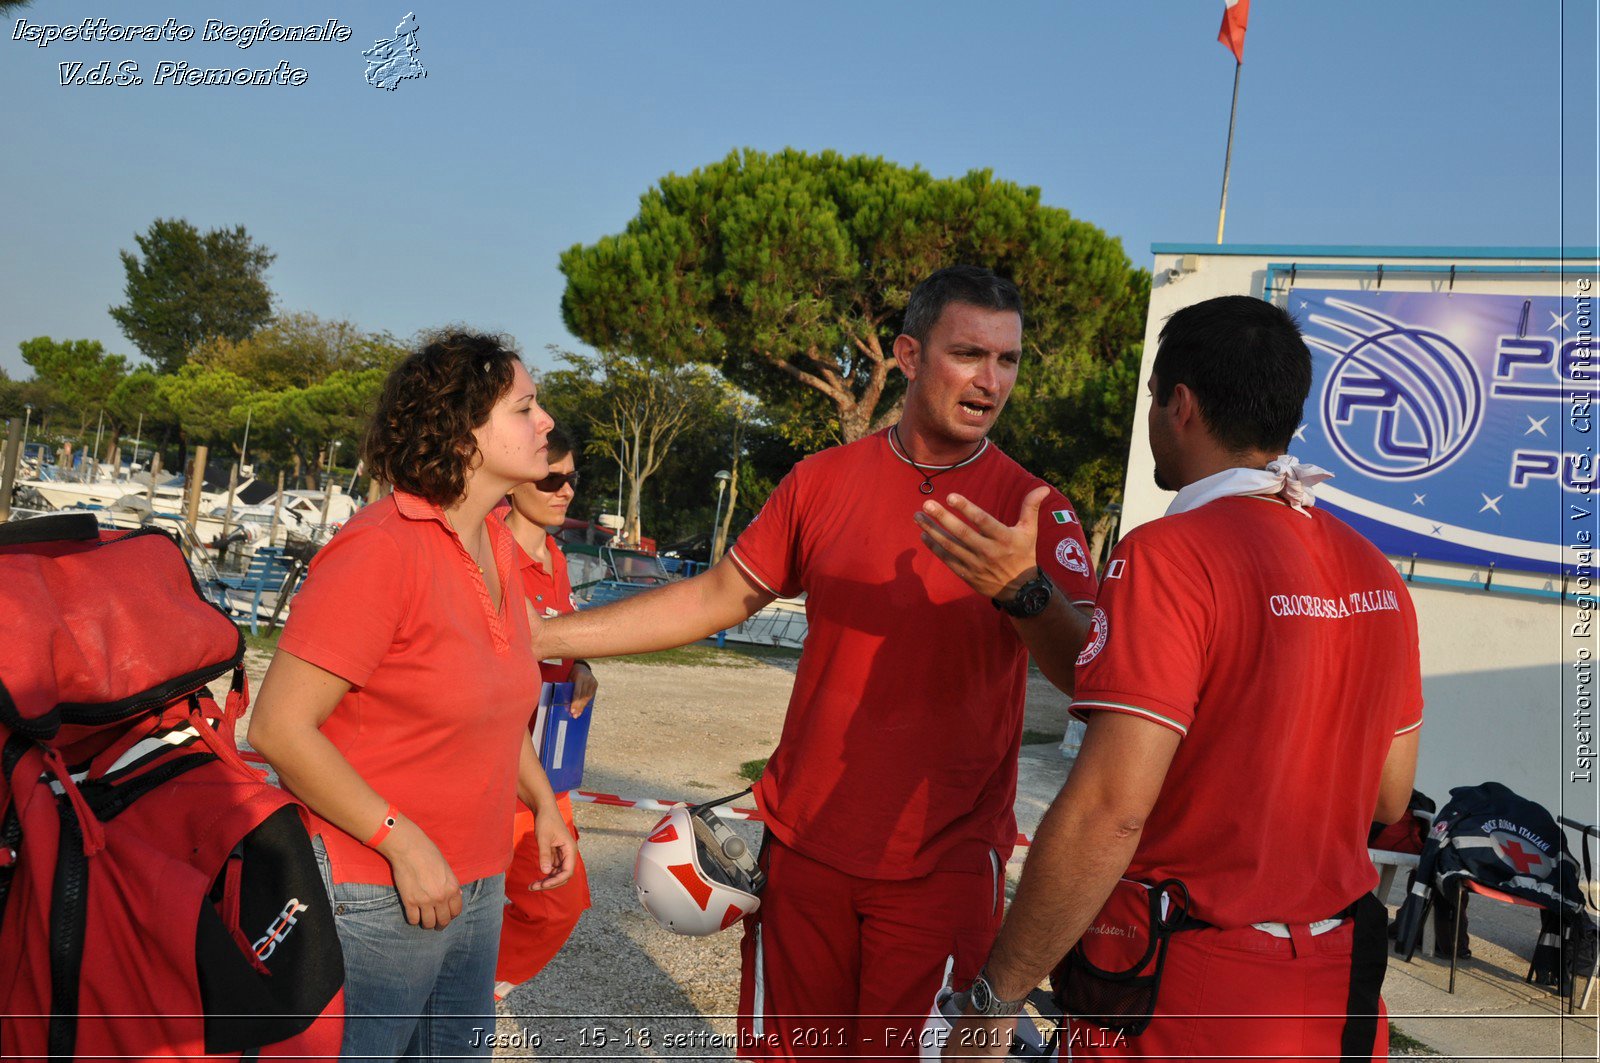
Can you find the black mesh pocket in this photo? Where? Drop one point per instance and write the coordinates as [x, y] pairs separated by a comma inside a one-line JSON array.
[[1125, 1000], [1118, 1001]]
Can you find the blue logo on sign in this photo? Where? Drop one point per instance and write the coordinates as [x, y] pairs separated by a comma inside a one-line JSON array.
[[1400, 402]]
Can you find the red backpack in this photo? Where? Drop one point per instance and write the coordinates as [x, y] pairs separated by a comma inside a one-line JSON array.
[[158, 897]]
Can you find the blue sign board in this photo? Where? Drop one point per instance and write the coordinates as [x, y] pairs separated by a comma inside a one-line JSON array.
[[1457, 426]]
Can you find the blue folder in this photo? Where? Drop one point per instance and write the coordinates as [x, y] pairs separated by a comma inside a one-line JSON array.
[[564, 738]]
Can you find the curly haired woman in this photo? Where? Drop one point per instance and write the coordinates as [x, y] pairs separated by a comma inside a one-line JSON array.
[[397, 705]]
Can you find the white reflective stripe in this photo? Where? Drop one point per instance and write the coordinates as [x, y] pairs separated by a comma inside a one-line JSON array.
[[1419, 889], [758, 1002], [1281, 930], [1466, 842], [1549, 939], [149, 745]]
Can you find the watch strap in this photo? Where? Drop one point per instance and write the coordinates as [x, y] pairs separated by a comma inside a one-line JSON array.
[[1031, 599], [984, 1002]]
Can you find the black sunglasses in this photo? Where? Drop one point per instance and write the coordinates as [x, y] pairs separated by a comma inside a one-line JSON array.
[[556, 481]]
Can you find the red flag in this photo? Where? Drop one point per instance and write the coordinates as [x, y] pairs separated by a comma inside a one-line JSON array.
[[1235, 14]]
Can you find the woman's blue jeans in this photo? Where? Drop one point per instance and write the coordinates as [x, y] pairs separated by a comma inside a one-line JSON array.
[[410, 992]]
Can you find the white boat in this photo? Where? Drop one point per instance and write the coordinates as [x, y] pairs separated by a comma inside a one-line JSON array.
[[783, 623], [61, 492], [106, 492], [250, 525], [299, 513]]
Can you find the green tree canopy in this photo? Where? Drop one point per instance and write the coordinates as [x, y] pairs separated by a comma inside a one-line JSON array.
[[185, 287], [206, 401], [299, 350], [299, 423], [791, 271], [78, 375]]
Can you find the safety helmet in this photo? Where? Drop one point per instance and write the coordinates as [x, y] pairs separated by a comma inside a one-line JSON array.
[[1027, 1044], [695, 874]]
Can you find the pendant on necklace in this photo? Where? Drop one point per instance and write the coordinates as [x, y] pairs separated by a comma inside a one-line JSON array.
[[926, 487]]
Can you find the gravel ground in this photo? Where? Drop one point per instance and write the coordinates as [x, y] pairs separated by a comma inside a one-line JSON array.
[[670, 731]]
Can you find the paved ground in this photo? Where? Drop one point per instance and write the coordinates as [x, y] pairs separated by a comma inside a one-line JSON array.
[[624, 988]]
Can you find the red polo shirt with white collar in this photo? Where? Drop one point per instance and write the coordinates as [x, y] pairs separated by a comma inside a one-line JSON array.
[[442, 682]]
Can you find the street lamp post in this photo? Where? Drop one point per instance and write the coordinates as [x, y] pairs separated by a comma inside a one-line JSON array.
[[27, 419], [722, 477]]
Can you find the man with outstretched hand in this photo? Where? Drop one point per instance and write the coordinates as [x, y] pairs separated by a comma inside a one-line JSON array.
[[1253, 692], [933, 566]]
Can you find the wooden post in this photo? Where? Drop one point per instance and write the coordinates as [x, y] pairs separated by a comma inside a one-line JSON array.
[[327, 502], [155, 474], [227, 514], [197, 476], [8, 469], [277, 512]]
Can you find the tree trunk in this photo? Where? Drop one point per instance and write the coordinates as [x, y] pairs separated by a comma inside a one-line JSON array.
[[631, 530], [1103, 527]]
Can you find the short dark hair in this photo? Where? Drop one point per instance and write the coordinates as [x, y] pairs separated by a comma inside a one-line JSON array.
[[1247, 365], [560, 444], [972, 285], [420, 439]]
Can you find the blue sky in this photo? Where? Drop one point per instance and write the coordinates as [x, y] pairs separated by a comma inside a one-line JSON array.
[[539, 125]]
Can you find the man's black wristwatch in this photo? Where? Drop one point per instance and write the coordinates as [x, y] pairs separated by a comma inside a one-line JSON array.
[[1031, 598], [986, 1005]]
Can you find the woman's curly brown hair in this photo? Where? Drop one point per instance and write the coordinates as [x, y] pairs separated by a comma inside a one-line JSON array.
[[420, 439]]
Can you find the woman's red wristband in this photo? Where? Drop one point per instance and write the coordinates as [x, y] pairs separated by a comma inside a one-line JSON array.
[[390, 817]]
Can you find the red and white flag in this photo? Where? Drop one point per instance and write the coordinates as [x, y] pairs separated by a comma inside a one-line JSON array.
[[1235, 13]]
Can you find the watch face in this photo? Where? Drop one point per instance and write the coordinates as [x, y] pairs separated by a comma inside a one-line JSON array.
[[982, 995], [1034, 599]]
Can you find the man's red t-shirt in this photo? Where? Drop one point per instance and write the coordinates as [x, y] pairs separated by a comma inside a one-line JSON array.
[[441, 682], [1282, 646], [899, 748]]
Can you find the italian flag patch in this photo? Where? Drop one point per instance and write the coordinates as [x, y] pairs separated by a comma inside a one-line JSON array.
[[1064, 516]]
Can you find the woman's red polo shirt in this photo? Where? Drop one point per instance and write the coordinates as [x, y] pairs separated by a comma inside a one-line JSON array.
[[442, 683]]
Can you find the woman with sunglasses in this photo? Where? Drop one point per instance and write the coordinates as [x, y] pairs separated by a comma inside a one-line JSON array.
[[538, 922], [397, 705]]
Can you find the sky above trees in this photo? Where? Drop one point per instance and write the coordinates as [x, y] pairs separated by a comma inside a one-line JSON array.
[[539, 126]]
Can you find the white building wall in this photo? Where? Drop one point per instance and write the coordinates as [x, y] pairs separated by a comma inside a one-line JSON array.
[[1500, 672]]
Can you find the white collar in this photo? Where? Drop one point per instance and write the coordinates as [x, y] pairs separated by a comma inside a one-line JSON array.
[[1284, 477]]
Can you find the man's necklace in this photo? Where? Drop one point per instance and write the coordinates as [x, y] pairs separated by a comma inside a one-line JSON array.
[[930, 471]]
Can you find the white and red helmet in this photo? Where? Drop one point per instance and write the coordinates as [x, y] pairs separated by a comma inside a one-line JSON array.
[[695, 874]]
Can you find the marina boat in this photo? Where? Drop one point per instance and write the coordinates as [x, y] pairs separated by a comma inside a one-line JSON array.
[[604, 574]]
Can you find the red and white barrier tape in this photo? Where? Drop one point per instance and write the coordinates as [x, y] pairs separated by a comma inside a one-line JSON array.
[[650, 804]]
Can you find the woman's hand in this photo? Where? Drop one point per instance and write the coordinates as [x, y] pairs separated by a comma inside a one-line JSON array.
[[427, 886], [558, 853], [584, 687]]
